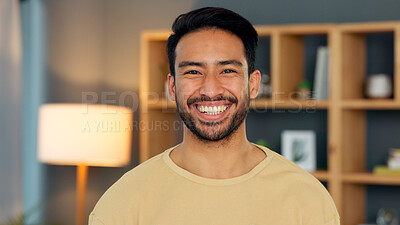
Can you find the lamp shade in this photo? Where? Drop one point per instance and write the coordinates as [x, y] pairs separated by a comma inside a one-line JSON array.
[[93, 135]]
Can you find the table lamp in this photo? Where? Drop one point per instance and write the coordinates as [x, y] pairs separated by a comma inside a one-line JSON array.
[[84, 135]]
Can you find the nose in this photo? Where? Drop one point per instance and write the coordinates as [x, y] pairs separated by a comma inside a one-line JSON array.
[[211, 86]]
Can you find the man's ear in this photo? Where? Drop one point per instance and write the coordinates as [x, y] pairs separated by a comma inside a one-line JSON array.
[[171, 86], [254, 83]]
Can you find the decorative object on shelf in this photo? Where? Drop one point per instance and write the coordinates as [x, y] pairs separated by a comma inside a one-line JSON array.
[[394, 159], [262, 142], [393, 164], [384, 170], [303, 90], [299, 147], [265, 86], [321, 76], [387, 217], [378, 86], [84, 135]]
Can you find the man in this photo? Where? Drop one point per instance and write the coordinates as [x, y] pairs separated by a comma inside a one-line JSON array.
[[215, 176]]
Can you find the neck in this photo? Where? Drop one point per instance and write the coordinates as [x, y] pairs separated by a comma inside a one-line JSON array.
[[230, 157]]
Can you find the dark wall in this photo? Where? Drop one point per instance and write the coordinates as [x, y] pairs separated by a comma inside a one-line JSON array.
[[310, 11]]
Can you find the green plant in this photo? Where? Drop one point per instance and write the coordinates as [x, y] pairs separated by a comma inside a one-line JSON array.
[[20, 219], [17, 220], [262, 142], [305, 84]]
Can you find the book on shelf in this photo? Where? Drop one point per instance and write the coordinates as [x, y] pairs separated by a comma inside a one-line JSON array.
[[384, 170], [321, 76]]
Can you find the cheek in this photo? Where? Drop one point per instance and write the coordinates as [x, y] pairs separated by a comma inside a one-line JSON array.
[[238, 89], [185, 89]]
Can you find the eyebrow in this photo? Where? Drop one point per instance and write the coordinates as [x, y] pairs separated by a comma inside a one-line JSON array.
[[222, 63], [228, 62], [190, 63]]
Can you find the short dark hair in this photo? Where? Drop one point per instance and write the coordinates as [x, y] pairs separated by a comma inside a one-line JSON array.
[[213, 17]]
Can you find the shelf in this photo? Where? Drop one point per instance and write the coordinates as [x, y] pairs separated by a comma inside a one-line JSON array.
[[388, 104], [321, 175], [288, 104], [160, 35], [295, 29], [162, 104], [369, 178], [306, 29], [257, 104], [386, 26]]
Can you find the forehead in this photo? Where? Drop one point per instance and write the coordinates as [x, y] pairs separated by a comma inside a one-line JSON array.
[[210, 44]]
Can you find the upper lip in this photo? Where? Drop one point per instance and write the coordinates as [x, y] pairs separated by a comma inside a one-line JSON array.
[[213, 103], [207, 101]]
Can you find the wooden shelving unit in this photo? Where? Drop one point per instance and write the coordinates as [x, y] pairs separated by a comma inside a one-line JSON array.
[[346, 173], [321, 175], [370, 104], [369, 178]]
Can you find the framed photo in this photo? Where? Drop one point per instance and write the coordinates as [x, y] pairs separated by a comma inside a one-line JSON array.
[[299, 147]]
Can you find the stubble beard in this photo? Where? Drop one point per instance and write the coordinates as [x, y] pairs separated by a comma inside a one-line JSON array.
[[216, 134]]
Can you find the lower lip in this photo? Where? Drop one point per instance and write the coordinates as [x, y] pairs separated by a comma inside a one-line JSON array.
[[211, 117]]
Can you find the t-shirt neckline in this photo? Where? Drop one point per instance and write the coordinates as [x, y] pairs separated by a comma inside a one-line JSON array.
[[217, 182]]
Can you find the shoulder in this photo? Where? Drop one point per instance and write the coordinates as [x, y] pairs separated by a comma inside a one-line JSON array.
[[140, 174], [281, 167], [287, 172], [299, 186], [126, 193]]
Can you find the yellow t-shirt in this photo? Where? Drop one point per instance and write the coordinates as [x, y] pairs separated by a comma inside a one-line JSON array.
[[158, 192]]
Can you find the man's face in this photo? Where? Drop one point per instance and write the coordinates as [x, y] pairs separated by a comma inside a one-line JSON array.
[[211, 85]]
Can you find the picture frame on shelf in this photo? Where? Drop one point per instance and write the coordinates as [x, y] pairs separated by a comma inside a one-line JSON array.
[[299, 147]]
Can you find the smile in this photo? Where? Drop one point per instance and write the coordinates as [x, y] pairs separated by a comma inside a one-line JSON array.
[[212, 110]]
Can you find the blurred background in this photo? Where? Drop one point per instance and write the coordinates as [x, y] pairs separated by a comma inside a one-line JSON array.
[[53, 51]]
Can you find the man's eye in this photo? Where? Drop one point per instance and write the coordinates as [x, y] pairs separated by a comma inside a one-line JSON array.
[[192, 72], [228, 71]]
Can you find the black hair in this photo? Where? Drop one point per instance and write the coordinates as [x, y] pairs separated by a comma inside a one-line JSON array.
[[209, 18]]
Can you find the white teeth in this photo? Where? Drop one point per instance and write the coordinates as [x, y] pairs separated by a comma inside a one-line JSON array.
[[212, 110]]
